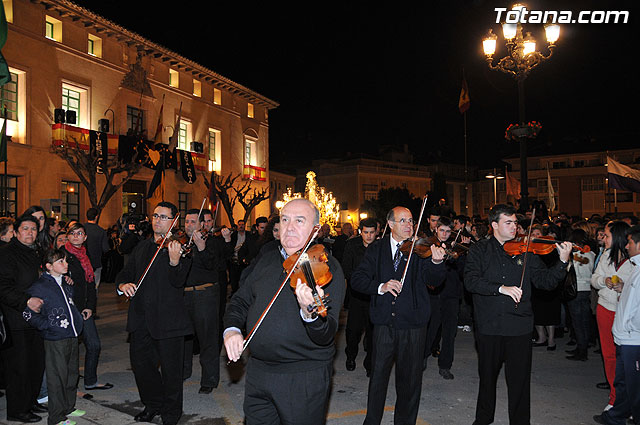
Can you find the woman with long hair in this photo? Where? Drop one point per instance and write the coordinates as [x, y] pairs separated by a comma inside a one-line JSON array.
[[612, 269], [44, 239]]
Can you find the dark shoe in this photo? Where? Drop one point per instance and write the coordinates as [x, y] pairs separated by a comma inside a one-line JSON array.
[[435, 352], [145, 416], [599, 420], [446, 374], [603, 386], [582, 357], [106, 386], [572, 342], [351, 365], [205, 390], [551, 347], [24, 417], [541, 344], [572, 352], [39, 408]]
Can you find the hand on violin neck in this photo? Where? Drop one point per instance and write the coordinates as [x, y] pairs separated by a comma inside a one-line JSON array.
[[199, 241], [174, 248], [437, 254], [305, 298], [564, 249]]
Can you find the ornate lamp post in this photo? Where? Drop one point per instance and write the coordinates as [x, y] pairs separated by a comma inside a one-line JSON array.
[[495, 177], [521, 58]]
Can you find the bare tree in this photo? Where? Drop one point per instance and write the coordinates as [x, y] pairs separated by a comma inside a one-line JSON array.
[[85, 164], [229, 193]]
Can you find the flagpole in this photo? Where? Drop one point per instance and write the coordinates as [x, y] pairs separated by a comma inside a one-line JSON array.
[[5, 186], [466, 169]]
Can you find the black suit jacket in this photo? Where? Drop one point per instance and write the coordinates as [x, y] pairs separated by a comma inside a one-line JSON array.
[[158, 305]]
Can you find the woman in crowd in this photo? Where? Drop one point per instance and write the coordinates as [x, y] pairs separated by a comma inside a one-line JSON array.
[[614, 262], [6, 230], [60, 240], [44, 239]]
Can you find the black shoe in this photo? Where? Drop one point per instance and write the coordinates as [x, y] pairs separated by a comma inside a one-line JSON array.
[[603, 386], [24, 417], [446, 374], [145, 416], [106, 386], [351, 365], [205, 390], [541, 344], [435, 352], [39, 408], [551, 347], [572, 342], [572, 352], [598, 419], [582, 357]]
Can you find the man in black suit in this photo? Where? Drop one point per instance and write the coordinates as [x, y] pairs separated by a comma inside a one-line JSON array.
[[399, 312], [157, 320]]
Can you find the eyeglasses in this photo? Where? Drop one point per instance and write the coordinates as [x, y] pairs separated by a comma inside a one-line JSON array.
[[161, 217], [404, 220], [77, 234]]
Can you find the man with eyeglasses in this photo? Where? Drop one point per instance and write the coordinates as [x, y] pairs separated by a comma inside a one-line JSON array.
[[399, 312], [503, 314], [157, 320]]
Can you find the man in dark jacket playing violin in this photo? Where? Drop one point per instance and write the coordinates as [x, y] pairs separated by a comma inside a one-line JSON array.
[[292, 351], [503, 314], [399, 313]]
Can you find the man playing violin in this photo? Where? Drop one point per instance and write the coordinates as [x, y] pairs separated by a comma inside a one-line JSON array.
[[291, 353], [157, 320], [399, 312], [501, 288]]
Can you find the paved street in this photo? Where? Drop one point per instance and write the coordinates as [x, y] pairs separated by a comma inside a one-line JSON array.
[[562, 392]]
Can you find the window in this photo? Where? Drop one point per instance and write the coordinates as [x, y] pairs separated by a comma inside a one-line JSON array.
[[71, 101], [249, 152], [135, 120], [53, 29], [174, 78], [71, 200], [95, 46], [214, 150], [183, 206], [559, 164], [370, 195], [11, 185], [217, 96], [619, 197], [250, 110], [591, 184], [579, 163], [184, 136], [197, 88], [9, 97], [76, 98]]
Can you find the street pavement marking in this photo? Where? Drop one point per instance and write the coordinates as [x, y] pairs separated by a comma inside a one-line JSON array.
[[363, 412]]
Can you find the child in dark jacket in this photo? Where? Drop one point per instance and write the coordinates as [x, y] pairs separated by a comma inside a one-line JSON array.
[[60, 323]]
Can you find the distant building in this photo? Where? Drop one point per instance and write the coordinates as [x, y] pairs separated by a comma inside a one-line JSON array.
[[63, 56], [278, 185]]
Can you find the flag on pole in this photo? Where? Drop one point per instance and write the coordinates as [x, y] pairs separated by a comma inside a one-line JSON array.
[[3, 138], [465, 100], [5, 76], [157, 180], [158, 136], [622, 177], [173, 141], [550, 193]]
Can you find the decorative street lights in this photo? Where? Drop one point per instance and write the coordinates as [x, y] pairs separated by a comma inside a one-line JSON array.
[[521, 58], [495, 176]]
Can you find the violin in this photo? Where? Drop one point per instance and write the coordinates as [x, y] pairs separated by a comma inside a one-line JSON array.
[[422, 247], [180, 236], [541, 246], [312, 269]]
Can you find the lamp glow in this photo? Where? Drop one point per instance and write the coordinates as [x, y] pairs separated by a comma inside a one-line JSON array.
[[529, 44], [489, 44], [552, 32]]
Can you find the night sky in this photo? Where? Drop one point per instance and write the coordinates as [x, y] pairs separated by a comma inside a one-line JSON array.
[[351, 76]]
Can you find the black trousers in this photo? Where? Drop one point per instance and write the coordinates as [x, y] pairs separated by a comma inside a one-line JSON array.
[[515, 353], [358, 323], [62, 377], [202, 307], [405, 347], [160, 390], [24, 369], [298, 398], [444, 317]]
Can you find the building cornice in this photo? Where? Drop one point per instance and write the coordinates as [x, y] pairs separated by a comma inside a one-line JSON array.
[[105, 27]]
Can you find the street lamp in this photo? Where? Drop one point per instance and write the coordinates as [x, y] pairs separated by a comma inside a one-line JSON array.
[[495, 176], [521, 58]]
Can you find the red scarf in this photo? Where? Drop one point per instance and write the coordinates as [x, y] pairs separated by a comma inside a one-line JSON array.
[[81, 254]]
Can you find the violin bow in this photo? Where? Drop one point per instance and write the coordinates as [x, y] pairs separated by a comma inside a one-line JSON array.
[[199, 214], [413, 242], [175, 220], [524, 265], [247, 340], [385, 229]]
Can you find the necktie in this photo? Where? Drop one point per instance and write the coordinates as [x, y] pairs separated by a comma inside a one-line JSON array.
[[397, 257]]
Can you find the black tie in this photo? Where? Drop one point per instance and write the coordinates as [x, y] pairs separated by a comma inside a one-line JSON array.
[[397, 257]]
